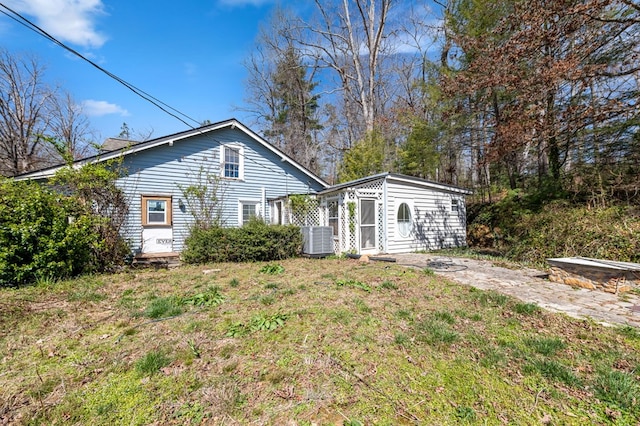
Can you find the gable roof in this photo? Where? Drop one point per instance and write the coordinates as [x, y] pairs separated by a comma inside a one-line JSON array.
[[111, 144], [398, 178], [169, 140]]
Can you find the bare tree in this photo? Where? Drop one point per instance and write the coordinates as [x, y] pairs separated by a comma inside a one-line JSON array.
[[24, 102], [261, 65], [351, 38], [70, 129]]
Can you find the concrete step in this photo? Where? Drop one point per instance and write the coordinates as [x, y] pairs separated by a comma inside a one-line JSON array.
[[156, 260]]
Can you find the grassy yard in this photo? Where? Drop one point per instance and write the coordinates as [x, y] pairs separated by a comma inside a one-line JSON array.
[[303, 342]]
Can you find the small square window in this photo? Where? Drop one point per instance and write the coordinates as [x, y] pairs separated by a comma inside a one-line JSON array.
[[156, 210]]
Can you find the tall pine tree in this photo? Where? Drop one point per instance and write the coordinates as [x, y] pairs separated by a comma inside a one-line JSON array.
[[294, 121]]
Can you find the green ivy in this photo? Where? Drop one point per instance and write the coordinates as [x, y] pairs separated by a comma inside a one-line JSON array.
[[351, 205]]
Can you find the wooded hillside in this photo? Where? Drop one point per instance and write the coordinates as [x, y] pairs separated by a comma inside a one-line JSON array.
[[538, 95]]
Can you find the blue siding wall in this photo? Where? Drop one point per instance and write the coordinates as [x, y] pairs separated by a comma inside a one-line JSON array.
[[163, 169]]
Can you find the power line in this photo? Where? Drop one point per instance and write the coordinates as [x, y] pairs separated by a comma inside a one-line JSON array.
[[164, 107], [139, 92]]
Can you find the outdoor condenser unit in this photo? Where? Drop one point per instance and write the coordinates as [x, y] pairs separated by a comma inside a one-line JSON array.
[[317, 240]]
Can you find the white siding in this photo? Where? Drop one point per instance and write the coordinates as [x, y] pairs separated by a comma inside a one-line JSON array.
[[434, 224]]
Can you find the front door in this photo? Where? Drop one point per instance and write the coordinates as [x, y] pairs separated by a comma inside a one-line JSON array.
[[368, 226], [157, 232], [157, 240]]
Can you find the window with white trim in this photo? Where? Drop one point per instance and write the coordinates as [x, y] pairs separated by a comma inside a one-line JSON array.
[[232, 162], [156, 210], [403, 220], [454, 205], [332, 213], [248, 210]]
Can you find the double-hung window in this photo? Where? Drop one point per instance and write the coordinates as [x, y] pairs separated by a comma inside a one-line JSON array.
[[232, 162], [247, 211], [156, 210]]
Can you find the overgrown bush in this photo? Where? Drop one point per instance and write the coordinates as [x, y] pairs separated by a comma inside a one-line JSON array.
[[94, 186], [44, 234], [254, 242], [532, 232]]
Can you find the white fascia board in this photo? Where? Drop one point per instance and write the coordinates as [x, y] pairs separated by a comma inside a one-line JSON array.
[[283, 156], [433, 185]]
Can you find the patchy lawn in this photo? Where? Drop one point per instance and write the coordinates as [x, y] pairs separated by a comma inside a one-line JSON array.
[[300, 342]]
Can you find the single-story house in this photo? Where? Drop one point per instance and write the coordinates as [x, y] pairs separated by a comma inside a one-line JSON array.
[[388, 213], [385, 213]]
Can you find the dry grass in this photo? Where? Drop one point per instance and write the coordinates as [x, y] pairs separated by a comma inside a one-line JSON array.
[[372, 343]]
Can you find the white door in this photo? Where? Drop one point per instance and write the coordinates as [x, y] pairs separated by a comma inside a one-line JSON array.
[[157, 240], [368, 226], [157, 230]]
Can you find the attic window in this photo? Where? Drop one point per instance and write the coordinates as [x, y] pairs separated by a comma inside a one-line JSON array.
[[232, 162], [454, 205]]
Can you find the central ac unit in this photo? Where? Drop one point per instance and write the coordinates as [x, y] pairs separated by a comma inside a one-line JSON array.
[[317, 240]]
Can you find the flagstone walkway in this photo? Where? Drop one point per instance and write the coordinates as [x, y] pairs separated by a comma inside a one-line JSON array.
[[531, 286]]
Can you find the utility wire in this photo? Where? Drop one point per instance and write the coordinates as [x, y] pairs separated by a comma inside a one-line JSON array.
[[164, 107], [141, 93]]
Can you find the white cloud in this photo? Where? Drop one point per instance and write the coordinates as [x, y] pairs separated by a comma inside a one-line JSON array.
[[68, 20], [99, 108]]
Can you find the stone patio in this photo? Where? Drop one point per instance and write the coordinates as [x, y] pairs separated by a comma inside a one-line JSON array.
[[532, 286]]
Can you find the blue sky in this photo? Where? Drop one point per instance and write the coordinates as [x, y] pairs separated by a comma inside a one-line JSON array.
[[187, 54]]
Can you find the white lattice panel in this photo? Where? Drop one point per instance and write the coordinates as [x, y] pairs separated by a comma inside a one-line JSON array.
[[310, 217], [381, 228]]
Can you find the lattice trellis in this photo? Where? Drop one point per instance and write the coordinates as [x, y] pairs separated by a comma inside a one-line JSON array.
[[381, 225], [309, 216], [347, 240], [349, 234]]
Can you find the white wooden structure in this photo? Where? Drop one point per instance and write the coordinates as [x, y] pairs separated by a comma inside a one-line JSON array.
[[388, 213]]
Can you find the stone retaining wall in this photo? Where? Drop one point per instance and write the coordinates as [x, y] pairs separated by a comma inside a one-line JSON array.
[[610, 281]]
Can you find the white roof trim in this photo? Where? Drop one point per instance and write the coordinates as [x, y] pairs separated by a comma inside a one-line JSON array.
[[170, 139], [428, 184], [386, 177]]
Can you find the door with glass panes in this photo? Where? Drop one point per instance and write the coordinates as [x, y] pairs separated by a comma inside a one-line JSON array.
[[157, 230], [368, 226]]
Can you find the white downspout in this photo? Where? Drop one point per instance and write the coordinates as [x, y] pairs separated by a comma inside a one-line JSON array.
[[264, 205]]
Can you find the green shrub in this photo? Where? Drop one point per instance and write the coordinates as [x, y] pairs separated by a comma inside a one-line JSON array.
[[44, 234], [254, 242]]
